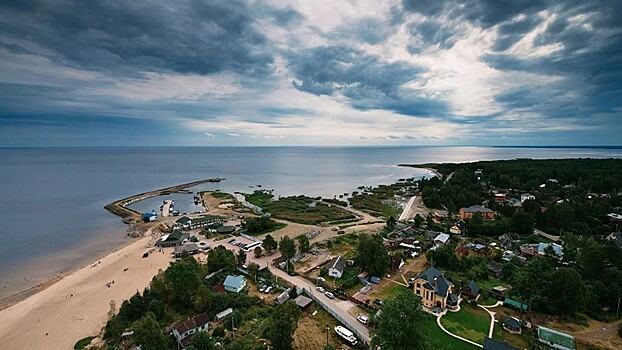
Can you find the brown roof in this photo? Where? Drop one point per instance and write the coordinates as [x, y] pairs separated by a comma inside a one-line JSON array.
[[186, 325], [219, 288], [201, 319]]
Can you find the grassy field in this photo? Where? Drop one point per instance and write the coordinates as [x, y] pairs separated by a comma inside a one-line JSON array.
[[442, 340], [470, 322], [520, 341], [298, 209]]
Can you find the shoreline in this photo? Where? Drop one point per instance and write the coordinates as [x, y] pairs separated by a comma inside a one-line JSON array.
[[432, 170], [66, 308]]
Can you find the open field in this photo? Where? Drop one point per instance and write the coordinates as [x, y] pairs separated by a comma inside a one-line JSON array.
[[311, 332], [442, 340], [471, 322]]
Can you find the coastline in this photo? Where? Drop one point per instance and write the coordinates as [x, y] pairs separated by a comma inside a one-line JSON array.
[[64, 309]]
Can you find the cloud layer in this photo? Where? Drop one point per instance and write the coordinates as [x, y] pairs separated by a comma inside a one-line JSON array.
[[287, 72]]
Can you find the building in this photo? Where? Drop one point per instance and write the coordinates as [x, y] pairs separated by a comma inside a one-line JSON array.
[[434, 289], [441, 239], [172, 239], [187, 223], [512, 325], [616, 237], [234, 284], [470, 290], [223, 314], [491, 344], [184, 331], [440, 215], [467, 213], [613, 217], [336, 266], [500, 197], [541, 249], [455, 230], [303, 302], [527, 197], [495, 268], [555, 339], [148, 217], [191, 249]]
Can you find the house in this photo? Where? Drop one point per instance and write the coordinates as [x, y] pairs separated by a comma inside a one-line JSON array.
[[467, 213], [541, 249], [616, 237], [555, 339], [187, 223], [491, 344], [148, 217], [336, 266], [471, 290], [191, 249], [363, 276], [234, 283], [441, 239], [184, 331], [172, 239], [440, 215], [223, 314], [500, 197], [512, 325], [508, 239], [613, 217], [527, 197], [409, 231], [303, 302], [495, 268], [455, 230], [462, 251], [434, 289]]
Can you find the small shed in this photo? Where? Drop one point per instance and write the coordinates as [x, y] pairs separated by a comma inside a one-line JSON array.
[[512, 325], [514, 304], [555, 339], [470, 290], [223, 314], [303, 302], [375, 279]]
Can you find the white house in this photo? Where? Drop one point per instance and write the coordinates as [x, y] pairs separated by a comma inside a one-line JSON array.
[[526, 196], [441, 239], [235, 283], [336, 266], [184, 331]]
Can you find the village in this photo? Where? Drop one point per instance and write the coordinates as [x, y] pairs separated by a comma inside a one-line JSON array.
[[461, 279]]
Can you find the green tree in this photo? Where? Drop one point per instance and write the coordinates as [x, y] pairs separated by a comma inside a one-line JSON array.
[[418, 220], [269, 243], [183, 277], [149, 334], [202, 341], [522, 222], [241, 257], [444, 257], [282, 325], [400, 326], [304, 246], [220, 257], [258, 252], [371, 255], [287, 247], [391, 222], [567, 295], [253, 269], [293, 292]]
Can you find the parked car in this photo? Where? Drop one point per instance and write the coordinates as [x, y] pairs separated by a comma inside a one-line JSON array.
[[321, 279], [268, 289], [262, 288], [329, 295], [232, 241], [320, 289], [363, 319], [378, 301]]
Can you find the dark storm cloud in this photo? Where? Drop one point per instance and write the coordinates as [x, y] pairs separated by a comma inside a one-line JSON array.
[[191, 37]]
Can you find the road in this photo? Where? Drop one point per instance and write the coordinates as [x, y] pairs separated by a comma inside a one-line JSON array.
[[406, 213]]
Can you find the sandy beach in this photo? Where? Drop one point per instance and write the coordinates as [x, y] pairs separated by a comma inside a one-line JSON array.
[[77, 305]]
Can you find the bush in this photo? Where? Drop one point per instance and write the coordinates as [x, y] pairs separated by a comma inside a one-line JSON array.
[[219, 332], [82, 343]]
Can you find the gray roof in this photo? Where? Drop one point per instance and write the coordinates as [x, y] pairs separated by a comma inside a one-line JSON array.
[[337, 263], [473, 287], [302, 301], [512, 322], [441, 286], [477, 209], [491, 344]]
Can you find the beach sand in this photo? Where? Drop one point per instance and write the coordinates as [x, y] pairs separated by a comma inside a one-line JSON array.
[[54, 319]]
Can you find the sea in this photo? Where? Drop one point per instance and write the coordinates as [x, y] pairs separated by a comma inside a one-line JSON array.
[[52, 199]]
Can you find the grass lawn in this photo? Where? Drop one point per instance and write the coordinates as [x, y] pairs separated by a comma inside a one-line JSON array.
[[520, 341], [470, 322], [442, 340], [387, 291]]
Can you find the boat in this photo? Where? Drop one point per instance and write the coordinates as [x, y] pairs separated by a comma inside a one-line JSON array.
[[346, 335]]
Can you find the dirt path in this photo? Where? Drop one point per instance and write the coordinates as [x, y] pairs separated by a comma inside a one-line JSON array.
[[597, 334]]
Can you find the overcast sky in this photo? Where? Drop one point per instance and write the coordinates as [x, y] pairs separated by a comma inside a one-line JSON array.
[[233, 72]]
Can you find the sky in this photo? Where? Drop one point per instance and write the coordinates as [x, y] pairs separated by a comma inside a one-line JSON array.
[[281, 72]]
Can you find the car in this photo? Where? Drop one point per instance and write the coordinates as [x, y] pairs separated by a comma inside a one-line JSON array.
[[232, 241], [268, 289], [378, 302], [262, 288], [329, 295], [321, 279], [363, 319], [320, 289]]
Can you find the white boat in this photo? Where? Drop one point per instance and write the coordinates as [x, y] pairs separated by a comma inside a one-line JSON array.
[[346, 335]]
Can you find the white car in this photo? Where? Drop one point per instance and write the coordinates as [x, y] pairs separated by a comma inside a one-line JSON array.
[[363, 319], [320, 289], [262, 288], [329, 295], [268, 289]]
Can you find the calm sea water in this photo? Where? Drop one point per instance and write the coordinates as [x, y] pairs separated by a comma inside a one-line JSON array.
[[52, 199]]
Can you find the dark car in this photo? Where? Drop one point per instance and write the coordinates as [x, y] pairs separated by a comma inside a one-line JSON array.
[[378, 302]]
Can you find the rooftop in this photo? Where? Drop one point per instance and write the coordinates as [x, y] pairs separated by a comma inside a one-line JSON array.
[[476, 209], [555, 337]]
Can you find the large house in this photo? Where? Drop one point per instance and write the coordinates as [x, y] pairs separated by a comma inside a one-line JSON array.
[[434, 289], [234, 284], [172, 239], [187, 223], [468, 212], [184, 331], [335, 267]]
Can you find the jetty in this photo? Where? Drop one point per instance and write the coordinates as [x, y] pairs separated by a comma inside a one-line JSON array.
[[120, 208]]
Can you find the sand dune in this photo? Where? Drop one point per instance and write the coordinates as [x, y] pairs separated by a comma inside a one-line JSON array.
[[54, 319]]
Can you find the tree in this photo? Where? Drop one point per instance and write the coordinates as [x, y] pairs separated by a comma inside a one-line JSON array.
[[304, 246], [399, 327], [241, 257], [522, 222], [258, 252], [418, 220], [253, 269], [149, 334], [371, 255], [202, 341], [391, 222], [443, 257], [282, 325], [220, 257], [183, 277], [567, 295], [287, 247], [269, 243], [293, 292]]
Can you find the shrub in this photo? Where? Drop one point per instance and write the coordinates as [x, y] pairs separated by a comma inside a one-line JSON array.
[[82, 343]]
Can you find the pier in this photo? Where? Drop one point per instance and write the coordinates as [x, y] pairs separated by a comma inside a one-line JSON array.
[[120, 208]]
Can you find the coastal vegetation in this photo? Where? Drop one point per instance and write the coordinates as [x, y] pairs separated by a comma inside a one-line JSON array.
[[379, 200], [261, 225], [299, 209]]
